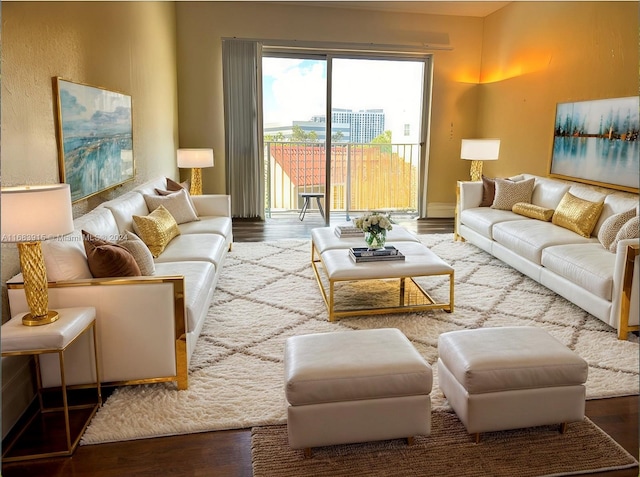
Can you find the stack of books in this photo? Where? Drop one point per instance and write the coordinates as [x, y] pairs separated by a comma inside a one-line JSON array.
[[348, 231], [363, 254]]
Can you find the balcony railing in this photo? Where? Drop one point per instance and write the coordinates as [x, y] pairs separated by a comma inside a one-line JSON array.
[[363, 176]]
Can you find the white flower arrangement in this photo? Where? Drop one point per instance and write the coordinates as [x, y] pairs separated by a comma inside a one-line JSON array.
[[373, 223]]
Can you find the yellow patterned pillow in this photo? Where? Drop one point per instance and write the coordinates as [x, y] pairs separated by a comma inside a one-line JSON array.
[[576, 214], [533, 211], [156, 229]]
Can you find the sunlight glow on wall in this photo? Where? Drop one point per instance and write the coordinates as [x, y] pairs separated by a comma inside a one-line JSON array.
[[532, 62]]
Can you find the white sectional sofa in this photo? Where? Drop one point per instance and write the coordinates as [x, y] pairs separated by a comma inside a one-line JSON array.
[[147, 325], [602, 282]]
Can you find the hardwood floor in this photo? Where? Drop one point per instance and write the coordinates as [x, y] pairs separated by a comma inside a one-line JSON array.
[[228, 453]]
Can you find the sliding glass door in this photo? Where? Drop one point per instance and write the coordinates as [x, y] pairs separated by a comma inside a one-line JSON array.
[[348, 127]]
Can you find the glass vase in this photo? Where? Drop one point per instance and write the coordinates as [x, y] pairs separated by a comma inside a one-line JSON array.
[[375, 240]]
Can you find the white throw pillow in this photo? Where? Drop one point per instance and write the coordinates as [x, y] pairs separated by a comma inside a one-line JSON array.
[[140, 252], [177, 204], [612, 226]]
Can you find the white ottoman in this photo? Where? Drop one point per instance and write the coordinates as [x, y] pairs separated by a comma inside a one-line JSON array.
[[355, 386], [510, 378]]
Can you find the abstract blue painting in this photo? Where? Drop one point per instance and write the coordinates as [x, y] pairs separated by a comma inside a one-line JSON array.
[[596, 142], [95, 138]]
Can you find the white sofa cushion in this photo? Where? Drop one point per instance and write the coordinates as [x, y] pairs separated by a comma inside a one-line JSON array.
[[99, 222], [194, 247], [208, 225], [150, 187], [482, 219], [198, 281], [547, 193], [125, 207], [587, 265], [529, 237], [65, 258]]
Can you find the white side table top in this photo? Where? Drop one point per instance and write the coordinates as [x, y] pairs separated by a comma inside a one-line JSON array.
[[16, 337]]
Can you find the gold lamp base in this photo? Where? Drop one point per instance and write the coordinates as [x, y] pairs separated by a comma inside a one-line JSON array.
[[196, 181], [476, 170], [35, 285], [50, 317]]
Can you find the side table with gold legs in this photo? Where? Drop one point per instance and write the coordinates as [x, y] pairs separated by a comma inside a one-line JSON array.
[[56, 337]]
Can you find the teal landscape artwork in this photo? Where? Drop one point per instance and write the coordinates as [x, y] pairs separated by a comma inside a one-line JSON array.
[[95, 138], [596, 142]]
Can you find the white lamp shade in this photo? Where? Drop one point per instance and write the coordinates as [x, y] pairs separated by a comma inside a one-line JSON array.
[[480, 149], [35, 213], [195, 158]]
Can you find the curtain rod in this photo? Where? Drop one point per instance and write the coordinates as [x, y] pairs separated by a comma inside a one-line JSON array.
[[273, 45]]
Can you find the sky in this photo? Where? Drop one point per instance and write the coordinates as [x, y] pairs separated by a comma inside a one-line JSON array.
[[294, 89]]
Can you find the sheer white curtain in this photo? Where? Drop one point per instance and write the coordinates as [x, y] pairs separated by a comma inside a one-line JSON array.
[[241, 60]]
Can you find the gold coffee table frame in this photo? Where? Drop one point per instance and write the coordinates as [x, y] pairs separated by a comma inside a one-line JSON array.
[[329, 297]]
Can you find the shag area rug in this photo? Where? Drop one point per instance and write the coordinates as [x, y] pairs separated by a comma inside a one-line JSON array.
[[267, 292], [448, 452]]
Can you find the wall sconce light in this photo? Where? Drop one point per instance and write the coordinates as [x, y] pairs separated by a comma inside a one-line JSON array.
[[478, 150], [196, 159], [31, 214]]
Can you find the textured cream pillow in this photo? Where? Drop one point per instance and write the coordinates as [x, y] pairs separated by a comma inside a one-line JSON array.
[[156, 229], [630, 230], [140, 252], [612, 226], [509, 193], [173, 186], [177, 204], [533, 211], [576, 214]]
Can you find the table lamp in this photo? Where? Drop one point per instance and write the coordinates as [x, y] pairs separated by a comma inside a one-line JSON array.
[[196, 159], [31, 214], [478, 150]]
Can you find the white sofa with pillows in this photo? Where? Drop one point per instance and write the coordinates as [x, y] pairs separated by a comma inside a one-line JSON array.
[[148, 261], [578, 240]]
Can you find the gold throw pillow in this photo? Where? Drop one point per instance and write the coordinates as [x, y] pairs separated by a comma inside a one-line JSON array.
[[576, 214], [156, 229], [533, 211]]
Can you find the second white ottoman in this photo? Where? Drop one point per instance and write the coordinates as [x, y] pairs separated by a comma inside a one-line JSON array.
[[511, 377], [355, 386]]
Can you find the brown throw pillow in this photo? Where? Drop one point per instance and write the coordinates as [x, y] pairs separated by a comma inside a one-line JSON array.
[[488, 191], [173, 186], [107, 259]]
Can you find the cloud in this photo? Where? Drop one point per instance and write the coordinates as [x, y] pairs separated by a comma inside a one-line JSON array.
[[294, 89]]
